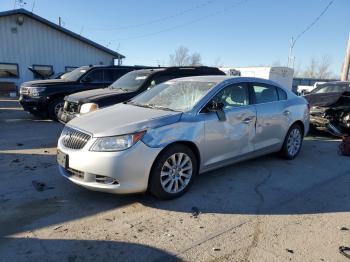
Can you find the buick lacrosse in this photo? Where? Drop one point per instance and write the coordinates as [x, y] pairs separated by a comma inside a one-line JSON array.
[[160, 140]]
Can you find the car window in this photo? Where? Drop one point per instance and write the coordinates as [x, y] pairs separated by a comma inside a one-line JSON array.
[[282, 95], [233, 96], [94, 76], [332, 88], [265, 93], [160, 78], [111, 75]]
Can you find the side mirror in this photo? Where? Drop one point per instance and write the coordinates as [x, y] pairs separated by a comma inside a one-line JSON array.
[[218, 108]]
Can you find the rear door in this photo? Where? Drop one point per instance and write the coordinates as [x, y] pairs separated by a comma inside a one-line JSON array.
[[233, 137], [272, 115]]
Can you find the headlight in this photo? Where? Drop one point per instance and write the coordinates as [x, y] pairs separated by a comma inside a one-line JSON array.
[[116, 143], [88, 107], [35, 91]]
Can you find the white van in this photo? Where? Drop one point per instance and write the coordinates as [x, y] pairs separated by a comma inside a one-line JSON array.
[[280, 75]]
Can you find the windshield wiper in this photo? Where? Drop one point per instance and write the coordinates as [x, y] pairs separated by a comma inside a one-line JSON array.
[[160, 107]]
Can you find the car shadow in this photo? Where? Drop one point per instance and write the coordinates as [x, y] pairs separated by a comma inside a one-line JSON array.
[[33, 249]]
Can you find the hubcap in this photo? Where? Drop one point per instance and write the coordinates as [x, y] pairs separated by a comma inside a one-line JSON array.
[[294, 142], [176, 173]]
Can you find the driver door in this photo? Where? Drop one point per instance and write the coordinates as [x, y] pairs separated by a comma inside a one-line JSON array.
[[231, 138]]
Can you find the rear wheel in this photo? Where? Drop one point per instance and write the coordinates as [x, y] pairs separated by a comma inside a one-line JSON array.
[[292, 143], [54, 108], [173, 172]]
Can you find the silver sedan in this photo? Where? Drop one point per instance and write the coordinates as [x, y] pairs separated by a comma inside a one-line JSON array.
[[163, 138]]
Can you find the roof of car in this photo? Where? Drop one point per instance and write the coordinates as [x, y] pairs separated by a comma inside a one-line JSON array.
[[177, 68], [336, 83], [220, 78]]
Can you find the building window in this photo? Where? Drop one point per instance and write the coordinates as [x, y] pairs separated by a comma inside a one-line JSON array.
[[42, 71], [70, 68], [9, 70]]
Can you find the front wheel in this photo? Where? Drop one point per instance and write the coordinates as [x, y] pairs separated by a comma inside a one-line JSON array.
[[292, 143], [173, 172], [54, 108]]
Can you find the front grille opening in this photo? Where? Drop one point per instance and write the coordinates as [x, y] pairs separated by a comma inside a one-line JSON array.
[[76, 173], [106, 180], [74, 139]]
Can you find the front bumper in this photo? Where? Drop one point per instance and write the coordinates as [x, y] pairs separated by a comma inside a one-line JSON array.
[[33, 105], [130, 168]]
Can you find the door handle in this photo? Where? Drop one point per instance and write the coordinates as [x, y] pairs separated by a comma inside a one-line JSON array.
[[248, 120], [286, 113]]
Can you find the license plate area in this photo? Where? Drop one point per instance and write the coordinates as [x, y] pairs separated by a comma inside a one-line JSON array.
[[62, 159]]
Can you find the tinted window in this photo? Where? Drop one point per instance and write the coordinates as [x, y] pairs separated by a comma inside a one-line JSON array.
[[332, 88], [131, 81], [233, 96], [94, 76], [111, 75], [282, 95], [265, 93]]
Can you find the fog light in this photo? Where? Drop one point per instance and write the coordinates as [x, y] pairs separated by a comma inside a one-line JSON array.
[[106, 180]]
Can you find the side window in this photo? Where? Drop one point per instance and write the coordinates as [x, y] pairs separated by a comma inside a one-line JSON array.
[[282, 95], [94, 76], [111, 75], [158, 79], [233, 96], [265, 93]]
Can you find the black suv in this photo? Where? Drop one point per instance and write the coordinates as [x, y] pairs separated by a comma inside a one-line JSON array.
[[126, 88], [45, 97]]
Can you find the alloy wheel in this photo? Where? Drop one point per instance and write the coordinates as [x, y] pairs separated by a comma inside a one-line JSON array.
[[176, 173], [294, 142]]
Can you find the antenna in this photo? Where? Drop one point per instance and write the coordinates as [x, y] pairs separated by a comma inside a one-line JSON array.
[[33, 6]]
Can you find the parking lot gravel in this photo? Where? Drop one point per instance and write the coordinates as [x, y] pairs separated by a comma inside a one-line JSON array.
[[265, 209]]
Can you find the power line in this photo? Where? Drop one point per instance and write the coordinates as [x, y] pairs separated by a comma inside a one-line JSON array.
[[293, 40], [187, 23], [313, 23], [161, 19]]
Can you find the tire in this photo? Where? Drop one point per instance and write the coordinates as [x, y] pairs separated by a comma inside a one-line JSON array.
[[54, 107], [166, 175], [292, 143]]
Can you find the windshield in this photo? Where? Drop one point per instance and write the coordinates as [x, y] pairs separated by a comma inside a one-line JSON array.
[[75, 74], [131, 81], [173, 95], [332, 88]]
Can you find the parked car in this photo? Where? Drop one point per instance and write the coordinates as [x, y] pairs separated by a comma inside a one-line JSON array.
[[45, 97], [126, 88], [161, 139], [330, 107]]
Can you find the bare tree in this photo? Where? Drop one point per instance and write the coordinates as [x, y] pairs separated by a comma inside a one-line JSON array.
[[324, 67], [318, 68], [182, 57], [196, 59]]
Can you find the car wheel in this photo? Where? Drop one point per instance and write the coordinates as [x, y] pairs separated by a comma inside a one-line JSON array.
[[292, 143], [54, 108], [173, 172]]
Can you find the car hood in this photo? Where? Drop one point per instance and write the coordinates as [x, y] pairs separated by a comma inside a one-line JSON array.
[[48, 82], [325, 99], [90, 95], [123, 119]]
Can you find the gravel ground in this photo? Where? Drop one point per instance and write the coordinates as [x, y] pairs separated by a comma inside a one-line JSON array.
[[266, 209]]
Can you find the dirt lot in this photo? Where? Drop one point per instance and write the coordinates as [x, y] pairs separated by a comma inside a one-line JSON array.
[[265, 209]]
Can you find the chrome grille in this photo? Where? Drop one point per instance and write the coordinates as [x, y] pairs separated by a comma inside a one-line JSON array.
[[74, 139], [71, 107]]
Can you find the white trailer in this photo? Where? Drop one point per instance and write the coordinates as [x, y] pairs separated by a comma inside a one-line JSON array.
[[280, 75]]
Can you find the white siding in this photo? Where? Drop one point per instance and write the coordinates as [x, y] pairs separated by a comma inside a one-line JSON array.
[[37, 43]]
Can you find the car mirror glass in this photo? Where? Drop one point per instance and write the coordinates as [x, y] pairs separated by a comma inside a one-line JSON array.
[[218, 108]]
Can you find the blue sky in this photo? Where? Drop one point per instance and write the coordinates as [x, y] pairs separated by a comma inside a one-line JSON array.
[[256, 32]]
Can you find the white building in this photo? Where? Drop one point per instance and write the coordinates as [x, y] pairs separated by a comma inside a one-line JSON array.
[[28, 40]]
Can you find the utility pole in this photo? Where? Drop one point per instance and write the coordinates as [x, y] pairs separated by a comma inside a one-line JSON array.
[[59, 21], [345, 73]]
